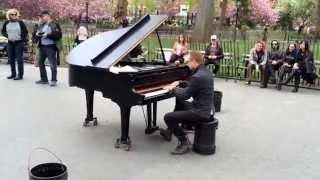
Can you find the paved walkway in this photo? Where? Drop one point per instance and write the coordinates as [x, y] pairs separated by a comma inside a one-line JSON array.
[[263, 134]]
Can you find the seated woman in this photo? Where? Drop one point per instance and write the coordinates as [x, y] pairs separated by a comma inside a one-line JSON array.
[[303, 67], [258, 59], [213, 54], [82, 35], [180, 48], [289, 58]]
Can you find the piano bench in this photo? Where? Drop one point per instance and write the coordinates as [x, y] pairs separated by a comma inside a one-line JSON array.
[[204, 137]]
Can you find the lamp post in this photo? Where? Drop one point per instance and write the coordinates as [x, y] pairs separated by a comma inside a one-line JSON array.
[[238, 4], [87, 13]]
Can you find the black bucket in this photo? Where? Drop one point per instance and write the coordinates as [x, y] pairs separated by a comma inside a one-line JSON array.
[[48, 171], [217, 100]]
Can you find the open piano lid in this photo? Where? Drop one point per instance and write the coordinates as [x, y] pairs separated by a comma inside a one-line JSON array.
[[107, 49]]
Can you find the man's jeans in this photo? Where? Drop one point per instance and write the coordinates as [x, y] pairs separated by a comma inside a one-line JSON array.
[[49, 52]]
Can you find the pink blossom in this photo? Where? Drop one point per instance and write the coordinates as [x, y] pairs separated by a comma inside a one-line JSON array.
[[60, 8], [262, 12]]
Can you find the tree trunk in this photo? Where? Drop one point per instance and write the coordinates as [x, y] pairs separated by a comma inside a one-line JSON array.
[[204, 21], [224, 5], [318, 20], [120, 11]]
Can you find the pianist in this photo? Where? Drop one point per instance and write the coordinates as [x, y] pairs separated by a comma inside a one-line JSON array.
[[200, 88]]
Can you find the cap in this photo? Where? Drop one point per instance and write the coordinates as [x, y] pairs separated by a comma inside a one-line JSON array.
[[44, 13], [214, 37]]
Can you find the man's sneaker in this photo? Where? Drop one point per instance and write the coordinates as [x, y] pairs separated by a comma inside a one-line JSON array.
[[53, 83], [263, 86], [42, 82], [166, 134], [294, 90], [183, 147], [18, 78], [279, 87], [11, 77]]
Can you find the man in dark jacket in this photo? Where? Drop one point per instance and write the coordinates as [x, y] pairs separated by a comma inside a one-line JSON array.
[[275, 59], [200, 88], [16, 32], [48, 34]]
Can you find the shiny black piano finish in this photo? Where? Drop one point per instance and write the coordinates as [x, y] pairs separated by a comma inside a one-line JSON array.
[[90, 69]]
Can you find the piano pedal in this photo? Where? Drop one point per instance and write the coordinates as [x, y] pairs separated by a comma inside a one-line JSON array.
[[87, 121], [151, 130], [126, 145]]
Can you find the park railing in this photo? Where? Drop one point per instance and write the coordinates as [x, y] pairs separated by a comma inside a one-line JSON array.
[[232, 67]]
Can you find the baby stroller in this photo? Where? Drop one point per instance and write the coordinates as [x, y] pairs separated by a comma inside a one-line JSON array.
[[3, 46]]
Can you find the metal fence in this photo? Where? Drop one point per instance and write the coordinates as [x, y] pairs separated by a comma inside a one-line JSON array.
[[232, 67]]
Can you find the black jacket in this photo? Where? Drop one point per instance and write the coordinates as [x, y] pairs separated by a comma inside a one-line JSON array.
[[200, 88], [306, 62], [55, 35], [275, 55], [219, 55], [24, 30], [290, 57]]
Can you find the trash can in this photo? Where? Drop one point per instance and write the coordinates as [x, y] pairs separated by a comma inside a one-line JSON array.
[[205, 137], [217, 100], [48, 171]]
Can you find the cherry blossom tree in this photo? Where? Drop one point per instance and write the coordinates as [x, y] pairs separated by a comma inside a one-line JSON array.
[[61, 8], [262, 11]]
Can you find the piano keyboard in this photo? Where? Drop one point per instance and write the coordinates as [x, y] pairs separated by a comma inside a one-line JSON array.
[[155, 93]]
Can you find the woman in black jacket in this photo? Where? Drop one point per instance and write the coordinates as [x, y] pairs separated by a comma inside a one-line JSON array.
[[304, 66], [16, 32], [214, 54], [289, 58]]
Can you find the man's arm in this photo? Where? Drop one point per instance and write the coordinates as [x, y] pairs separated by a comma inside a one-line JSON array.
[[56, 32], [189, 91]]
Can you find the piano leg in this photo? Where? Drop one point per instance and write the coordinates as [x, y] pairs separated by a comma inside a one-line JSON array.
[[124, 142], [154, 122], [152, 118], [89, 118]]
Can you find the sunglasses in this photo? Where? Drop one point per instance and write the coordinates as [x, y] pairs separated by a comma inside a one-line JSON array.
[[13, 14]]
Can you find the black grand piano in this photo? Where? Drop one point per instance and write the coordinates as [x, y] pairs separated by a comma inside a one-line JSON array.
[[101, 64]]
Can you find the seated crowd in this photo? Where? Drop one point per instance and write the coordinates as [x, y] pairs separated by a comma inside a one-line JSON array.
[[278, 66], [295, 62]]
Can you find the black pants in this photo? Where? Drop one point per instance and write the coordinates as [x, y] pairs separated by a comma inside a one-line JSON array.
[[49, 52], [182, 115], [272, 70], [282, 72], [175, 57], [15, 53], [296, 74], [216, 66]]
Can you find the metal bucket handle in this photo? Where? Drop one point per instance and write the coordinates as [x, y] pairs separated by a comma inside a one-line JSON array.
[[44, 149]]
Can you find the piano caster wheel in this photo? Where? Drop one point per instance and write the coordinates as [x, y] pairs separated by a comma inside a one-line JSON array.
[[126, 145], [88, 120], [151, 130], [86, 123], [95, 122]]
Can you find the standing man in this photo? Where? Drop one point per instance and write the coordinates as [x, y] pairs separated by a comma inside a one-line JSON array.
[[48, 33], [16, 32], [200, 88]]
